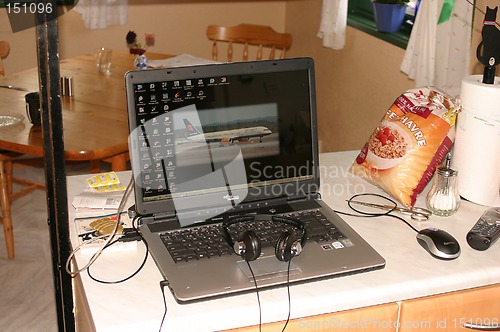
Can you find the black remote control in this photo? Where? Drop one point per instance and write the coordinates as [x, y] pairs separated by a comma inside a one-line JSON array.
[[486, 230]]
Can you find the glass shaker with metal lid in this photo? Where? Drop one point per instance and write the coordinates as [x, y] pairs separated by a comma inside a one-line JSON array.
[[443, 199]]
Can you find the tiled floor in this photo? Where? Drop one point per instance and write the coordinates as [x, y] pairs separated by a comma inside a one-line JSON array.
[[27, 298]]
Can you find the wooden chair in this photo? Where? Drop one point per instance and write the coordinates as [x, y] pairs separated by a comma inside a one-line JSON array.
[[4, 51], [249, 34], [7, 194]]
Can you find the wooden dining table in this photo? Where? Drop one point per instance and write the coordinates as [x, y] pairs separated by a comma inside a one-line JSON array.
[[95, 119], [95, 122]]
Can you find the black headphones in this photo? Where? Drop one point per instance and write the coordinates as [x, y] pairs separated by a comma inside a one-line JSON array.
[[248, 244]]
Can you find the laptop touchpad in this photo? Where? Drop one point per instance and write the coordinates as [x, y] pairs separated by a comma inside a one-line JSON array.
[[267, 268]]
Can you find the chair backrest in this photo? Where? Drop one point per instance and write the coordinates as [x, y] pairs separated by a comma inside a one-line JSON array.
[[4, 51], [249, 34]]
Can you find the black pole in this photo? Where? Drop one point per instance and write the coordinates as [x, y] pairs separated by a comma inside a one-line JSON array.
[[55, 173]]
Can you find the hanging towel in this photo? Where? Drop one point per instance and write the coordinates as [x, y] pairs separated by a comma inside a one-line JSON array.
[[438, 50], [453, 51], [99, 14], [420, 56], [333, 23]]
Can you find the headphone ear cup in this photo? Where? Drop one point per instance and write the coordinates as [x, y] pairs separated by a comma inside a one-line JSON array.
[[287, 246], [248, 246]]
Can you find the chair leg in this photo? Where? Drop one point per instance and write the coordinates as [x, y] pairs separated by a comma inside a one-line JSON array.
[[8, 173], [5, 205]]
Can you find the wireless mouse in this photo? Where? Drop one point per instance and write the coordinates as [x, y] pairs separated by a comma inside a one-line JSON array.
[[439, 243]]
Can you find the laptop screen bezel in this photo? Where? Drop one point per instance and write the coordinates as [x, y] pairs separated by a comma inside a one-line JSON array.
[[201, 71]]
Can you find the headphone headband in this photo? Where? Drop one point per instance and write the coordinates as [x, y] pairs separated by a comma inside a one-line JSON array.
[[295, 222], [292, 221], [231, 221]]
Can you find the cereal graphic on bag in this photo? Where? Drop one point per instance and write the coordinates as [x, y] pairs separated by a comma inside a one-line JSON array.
[[413, 137], [387, 146], [387, 143]]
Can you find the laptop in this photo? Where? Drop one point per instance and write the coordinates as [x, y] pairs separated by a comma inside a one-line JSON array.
[[213, 142]]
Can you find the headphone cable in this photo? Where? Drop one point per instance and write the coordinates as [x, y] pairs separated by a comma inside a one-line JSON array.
[[258, 296], [289, 298]]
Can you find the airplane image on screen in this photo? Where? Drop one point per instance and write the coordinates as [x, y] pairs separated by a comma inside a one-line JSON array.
[[225, 136]]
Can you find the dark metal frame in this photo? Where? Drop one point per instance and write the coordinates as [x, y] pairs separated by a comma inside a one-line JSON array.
[[55, 172]]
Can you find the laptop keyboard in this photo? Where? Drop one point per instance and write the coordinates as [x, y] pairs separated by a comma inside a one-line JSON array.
[[208, 242]]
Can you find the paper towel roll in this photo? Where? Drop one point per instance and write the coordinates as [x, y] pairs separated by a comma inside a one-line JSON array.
[[476, 154]]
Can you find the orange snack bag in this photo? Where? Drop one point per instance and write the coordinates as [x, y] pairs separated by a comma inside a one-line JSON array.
[[412, 138]]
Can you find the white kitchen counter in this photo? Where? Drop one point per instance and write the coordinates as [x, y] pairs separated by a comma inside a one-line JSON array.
[[410, 271]]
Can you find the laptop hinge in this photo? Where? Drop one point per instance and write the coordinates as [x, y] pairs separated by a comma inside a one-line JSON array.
[[241, 207], [164, 215], [309, 196]]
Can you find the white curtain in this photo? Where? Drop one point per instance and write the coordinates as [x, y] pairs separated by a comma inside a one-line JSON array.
[[333, 23], [99, 14], [438, 54]]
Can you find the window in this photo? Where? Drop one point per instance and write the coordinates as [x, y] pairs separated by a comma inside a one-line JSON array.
[[360, 16]]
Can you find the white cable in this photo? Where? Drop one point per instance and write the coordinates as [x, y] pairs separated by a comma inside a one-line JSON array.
[[109, 237]]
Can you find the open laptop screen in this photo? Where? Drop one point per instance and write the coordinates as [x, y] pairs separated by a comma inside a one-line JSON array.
[[188, 123]]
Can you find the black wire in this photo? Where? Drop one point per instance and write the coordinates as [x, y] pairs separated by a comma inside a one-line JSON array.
[[289, 298], [479, 10], [163, 283], [258, 296], [372, 215], [136, 271], [366, 214], [406, 222], [124, 279]]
